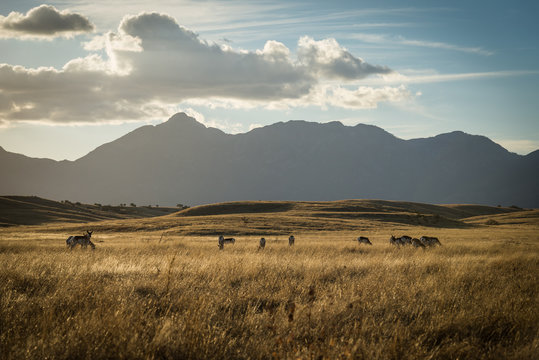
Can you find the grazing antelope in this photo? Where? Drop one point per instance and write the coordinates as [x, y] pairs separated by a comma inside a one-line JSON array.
[[69, 240], [417, 243], [406, 240], [262, 244], [223, 241], [430, 241], [364, 240], [83, 241], [291, 240], [395, 241]]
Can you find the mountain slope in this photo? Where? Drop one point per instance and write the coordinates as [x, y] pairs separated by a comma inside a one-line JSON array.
[[183, 161]]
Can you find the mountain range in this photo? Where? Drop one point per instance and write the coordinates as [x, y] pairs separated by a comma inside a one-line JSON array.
[[183, 161]]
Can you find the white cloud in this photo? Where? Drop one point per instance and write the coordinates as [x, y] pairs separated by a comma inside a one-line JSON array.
[[194, 114], [275, 51], [113, 41], [365, 97], [152, 64], [44, 22], [322, 96], [424, 77], [81, 92], [90, 64], [328, 59], [255, 126], [179, 65], [227, 126]]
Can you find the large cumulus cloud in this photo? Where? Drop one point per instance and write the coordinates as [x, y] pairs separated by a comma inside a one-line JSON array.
[[180, 65], [152, 64], [44, 21]]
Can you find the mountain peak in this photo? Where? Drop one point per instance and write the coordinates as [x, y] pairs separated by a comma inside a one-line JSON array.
[[182, 119]]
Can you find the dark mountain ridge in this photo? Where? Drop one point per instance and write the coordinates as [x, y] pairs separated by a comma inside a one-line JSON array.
[[183, 161]]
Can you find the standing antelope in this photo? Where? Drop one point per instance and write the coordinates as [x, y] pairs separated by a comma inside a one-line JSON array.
[[291, 240], [406, 240], [262, 244], [223, 241], [83, 240], [364, 240], [430, 241], [395, 241], [417, 243]]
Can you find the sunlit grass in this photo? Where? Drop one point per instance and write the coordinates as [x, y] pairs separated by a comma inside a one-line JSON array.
[[144, 295]]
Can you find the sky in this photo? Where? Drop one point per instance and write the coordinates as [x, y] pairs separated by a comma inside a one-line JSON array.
[[76, 74]]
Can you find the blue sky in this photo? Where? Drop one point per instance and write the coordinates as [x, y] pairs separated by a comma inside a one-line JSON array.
[[76, 74]]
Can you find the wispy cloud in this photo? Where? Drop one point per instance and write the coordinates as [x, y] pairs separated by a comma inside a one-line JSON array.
[[204, 14], [246, 20], [402, 41], [442, 45], [413, 78]]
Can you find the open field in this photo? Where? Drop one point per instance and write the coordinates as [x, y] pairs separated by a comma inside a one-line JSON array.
[[164, 292]]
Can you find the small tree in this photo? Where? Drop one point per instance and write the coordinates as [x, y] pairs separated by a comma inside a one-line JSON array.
[[133, 205]]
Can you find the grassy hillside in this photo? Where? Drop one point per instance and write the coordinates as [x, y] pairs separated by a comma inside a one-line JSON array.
[[281, 218], [32, 210], [345, 206]]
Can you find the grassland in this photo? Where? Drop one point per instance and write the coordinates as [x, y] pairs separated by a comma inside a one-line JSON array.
[[159, 288]]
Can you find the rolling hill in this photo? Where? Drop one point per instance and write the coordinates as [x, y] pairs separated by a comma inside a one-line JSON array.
[[283, 217], [32, 210], [183, 161]]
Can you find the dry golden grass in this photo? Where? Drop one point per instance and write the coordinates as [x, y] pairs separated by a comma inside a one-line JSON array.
[[149, 295]]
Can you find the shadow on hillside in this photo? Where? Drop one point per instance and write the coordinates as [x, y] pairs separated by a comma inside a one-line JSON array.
[[237, 208], [426, 220]]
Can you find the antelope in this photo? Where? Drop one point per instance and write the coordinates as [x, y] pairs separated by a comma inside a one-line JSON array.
[[417, 243], [262, 244], [364, 240], [430, 241], [406, 240], [395, 241], [223, 241], [291, 240], [83, 241]]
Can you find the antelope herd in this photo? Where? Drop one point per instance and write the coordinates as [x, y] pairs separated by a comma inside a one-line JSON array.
[[422, 242]]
